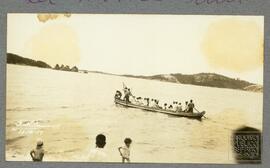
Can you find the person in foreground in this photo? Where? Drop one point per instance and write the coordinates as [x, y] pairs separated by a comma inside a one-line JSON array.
[[125, 150], [38, 153], [98, 154]]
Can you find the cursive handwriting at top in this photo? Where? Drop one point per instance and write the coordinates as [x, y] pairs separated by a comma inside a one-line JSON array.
[[209, 2], [197, 2], [51, 2], [40, 1]]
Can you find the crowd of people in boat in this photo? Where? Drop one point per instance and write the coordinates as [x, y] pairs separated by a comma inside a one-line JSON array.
[[176, 106]]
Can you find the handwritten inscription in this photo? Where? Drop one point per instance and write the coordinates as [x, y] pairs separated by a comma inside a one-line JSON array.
[[209, 2], [51, 2], [197, 2]]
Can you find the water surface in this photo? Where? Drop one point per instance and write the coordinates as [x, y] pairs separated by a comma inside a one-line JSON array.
[[67, 110]]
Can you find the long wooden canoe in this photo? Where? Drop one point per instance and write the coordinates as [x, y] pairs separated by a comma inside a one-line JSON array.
[[169, 112]]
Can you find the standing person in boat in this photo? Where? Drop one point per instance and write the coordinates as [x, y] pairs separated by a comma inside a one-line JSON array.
[[191, 106], [186, 107], [127, 93]]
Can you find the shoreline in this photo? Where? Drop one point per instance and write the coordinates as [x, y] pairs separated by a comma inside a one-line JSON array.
[[143, 78]]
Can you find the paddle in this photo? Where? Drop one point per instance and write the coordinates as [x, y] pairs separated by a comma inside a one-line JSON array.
[[199, 112], [124, 86]]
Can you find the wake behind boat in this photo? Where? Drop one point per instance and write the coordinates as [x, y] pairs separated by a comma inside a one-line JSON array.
[[154, 107]]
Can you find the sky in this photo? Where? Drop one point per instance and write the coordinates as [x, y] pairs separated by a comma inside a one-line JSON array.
[[142, 44]]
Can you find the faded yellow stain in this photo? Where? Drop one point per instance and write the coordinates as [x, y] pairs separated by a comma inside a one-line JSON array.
[[56, 44], [44, 17], [234, 44]]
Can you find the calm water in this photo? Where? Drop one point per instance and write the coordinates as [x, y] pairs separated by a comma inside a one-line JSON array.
[[67, 110]]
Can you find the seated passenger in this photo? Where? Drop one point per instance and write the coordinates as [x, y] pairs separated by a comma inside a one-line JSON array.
[[146, 101], [139, 101], [186, 107], [170, 107], [133, 100], [152, 103], [179, 108], [157, 104], [175, 104], [165, 106], [118, 95]]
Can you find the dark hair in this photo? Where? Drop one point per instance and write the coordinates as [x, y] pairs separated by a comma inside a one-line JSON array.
[[127, 141], [191, 100], [40, 145], [100, 140]]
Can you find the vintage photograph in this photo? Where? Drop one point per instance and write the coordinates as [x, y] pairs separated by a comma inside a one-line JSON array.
[[134, 88]]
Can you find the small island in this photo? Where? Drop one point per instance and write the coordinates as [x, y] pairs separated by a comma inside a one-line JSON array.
[[66, 68]]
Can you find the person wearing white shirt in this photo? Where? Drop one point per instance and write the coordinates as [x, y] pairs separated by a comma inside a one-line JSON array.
[[125, 150], [98, 154], [179, 108]]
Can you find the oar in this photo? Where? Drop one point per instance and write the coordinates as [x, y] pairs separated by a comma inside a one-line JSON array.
[[199, 112], [124, 85]]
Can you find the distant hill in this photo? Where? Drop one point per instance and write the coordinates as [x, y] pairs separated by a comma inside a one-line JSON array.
[[201, 79], [16, 59], [205, 79]]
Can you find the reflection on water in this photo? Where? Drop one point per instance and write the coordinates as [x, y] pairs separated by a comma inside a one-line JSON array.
[[70, 109]]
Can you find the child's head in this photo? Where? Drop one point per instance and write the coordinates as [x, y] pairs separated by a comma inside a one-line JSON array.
[[39, 143], [128, 141], [100, 140]]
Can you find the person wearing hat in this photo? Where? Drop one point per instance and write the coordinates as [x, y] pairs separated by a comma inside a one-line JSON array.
[[38, 153]]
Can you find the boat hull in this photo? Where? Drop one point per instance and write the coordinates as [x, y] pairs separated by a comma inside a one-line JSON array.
[[177, 114]]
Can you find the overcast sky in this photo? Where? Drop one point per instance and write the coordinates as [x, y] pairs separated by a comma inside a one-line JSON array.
[[143, 44]]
